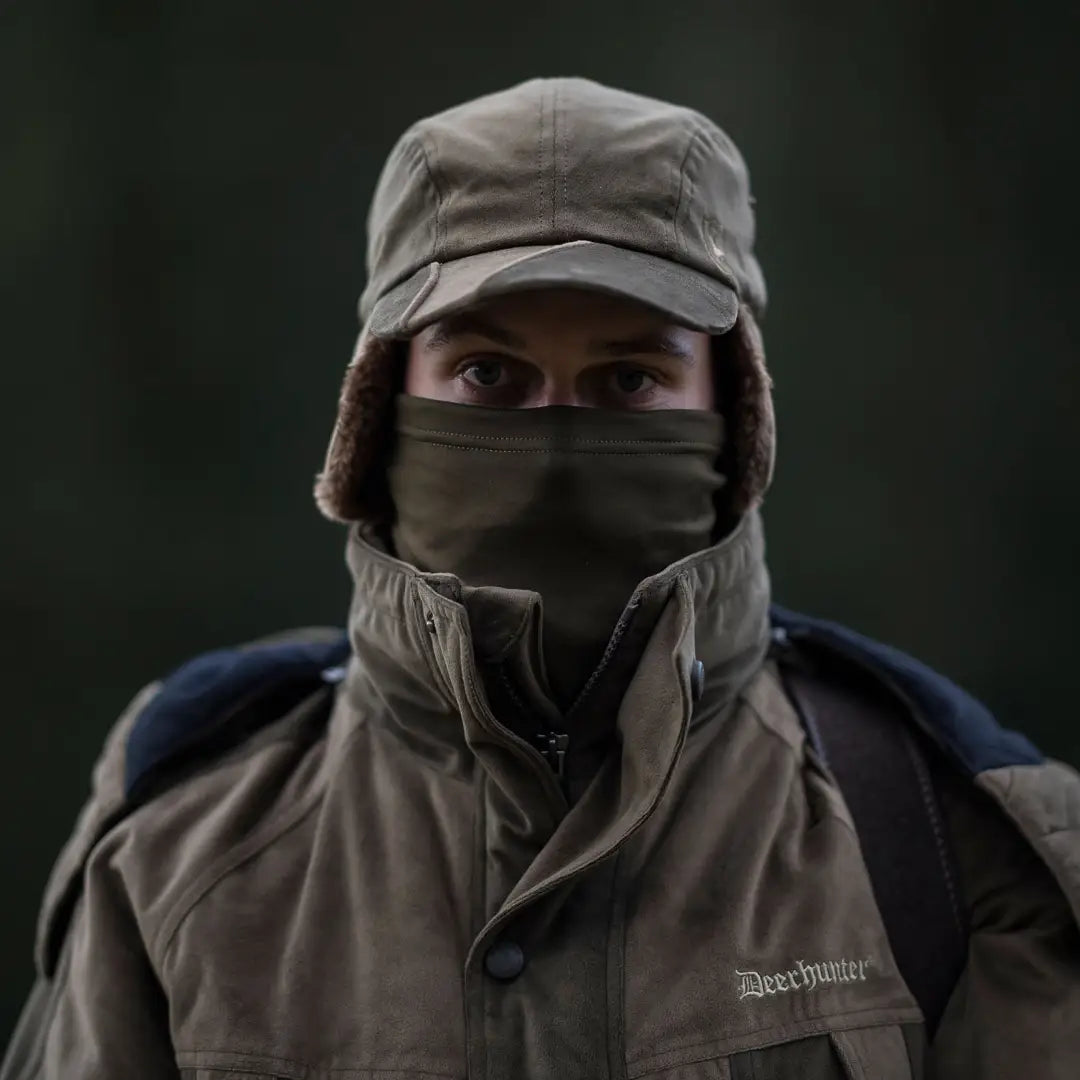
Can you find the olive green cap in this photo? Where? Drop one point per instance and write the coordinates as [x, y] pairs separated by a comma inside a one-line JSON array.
[[561, 183]]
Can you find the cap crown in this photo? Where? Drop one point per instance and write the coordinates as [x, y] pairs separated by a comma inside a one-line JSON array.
[[555, 160]]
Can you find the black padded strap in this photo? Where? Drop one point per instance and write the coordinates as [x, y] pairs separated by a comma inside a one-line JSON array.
[[872, 749]]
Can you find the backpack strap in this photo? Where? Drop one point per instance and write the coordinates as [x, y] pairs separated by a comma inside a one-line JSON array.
[[885, 769], [217, 700]]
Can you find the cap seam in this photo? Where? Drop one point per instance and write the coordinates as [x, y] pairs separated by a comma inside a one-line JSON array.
[[422, 294], [697, 133], [410, 148], [554, 158], [565, 164], [540, 144], [427, 155]]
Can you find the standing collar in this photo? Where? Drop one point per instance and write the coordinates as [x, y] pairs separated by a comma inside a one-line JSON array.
[[726, 591]]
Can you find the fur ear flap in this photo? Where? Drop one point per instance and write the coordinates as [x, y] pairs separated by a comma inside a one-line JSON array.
[[744, 390], [352, 485]]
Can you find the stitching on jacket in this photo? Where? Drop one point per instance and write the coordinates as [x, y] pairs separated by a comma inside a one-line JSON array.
[[244, 852], [826, 813], [848, 1054], [247, 849], [417, 432], [233, 1060], [427, 649], [478, 878], [765, 726], [509, 687], [926, 789], [555, 450], [616, 979], [614, 641], [512, 639]]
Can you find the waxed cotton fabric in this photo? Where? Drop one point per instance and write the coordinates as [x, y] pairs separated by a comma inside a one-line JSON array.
[[578, 505], [320, 903], [509, 191]]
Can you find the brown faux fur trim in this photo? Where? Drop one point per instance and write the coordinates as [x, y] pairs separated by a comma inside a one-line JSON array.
[[353, 484], [744, 390]]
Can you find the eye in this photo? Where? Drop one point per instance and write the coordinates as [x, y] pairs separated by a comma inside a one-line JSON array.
[[485, 374], [633, 380]]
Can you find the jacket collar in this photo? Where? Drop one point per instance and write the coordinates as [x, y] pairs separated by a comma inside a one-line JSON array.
[[424, 675]]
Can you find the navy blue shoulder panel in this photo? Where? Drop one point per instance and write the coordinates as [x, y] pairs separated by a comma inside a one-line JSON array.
[[197, 693], [961, 723]]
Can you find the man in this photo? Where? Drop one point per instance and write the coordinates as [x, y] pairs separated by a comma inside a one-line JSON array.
[[570, 799]]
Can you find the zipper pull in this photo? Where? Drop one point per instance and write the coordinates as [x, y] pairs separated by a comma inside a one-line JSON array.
[[553, 745]]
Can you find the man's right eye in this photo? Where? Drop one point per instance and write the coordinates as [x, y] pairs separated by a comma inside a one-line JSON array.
[[484, 373]]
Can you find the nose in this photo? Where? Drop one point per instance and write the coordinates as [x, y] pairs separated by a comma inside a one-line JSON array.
[[559, 391]]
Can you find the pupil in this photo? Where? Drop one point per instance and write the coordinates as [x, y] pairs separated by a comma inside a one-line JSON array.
[[630, 381], [486, 372]]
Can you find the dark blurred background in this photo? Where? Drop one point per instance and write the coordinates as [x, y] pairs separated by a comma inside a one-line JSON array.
[[182, 199]]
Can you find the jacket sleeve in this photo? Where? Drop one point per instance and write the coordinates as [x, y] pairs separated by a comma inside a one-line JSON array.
[[102, 1014], [97, 1009], [1015, 1012]]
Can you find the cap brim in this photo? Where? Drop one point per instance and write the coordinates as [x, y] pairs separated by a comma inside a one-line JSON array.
[[689, 297]]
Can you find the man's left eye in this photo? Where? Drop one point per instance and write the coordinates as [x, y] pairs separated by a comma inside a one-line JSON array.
[[631, 380]]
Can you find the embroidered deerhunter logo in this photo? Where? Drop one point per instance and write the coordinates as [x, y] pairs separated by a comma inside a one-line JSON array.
[[802, 976]]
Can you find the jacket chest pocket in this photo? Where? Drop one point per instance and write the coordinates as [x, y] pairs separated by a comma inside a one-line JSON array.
[[230, 1073], [889, 1052]]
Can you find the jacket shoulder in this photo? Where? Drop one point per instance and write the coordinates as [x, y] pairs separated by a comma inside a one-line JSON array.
[[177, 726], [218, 698], [104, 806], [1043, 802]]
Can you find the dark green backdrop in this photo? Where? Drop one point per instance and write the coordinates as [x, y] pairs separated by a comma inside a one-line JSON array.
[[182, 199]]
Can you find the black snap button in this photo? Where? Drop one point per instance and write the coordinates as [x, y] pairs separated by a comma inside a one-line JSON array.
[[504, 960], [697, 680]]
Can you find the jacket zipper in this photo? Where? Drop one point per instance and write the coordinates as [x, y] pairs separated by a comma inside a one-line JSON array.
[[536, 759], [553, 746]]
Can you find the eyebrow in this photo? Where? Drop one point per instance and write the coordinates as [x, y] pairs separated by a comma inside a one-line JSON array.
[[463, 324], [651, 343], [468, 322]]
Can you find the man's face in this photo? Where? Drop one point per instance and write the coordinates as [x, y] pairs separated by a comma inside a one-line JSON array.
[[561, 347]]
